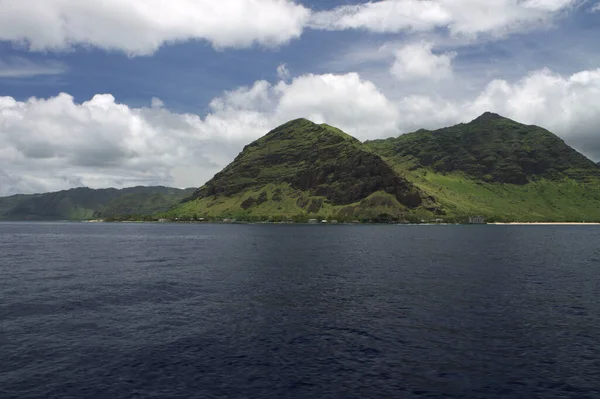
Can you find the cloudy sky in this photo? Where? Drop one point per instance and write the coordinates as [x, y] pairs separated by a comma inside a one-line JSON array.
[[126, 92]]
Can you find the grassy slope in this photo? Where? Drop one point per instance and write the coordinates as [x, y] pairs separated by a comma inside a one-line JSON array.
[[304, 170], [292, 204], [143, 203], [468, 167], [543, 200]]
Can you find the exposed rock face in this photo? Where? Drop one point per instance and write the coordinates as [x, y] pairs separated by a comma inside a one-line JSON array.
[[319, 159]]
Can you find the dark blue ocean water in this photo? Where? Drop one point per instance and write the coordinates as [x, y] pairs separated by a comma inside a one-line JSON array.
[[272, 311]]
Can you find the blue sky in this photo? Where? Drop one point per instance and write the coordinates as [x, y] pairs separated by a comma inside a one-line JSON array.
[[77, 83]]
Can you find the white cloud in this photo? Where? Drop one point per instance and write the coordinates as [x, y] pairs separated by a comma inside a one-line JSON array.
[[156, 103], [461, 17], [19, 67], [596, 8], [345, 101], [417, 60], [55, 143], [549, 5], [44, 143], [140, 27], [384, 16], [103, 143], [282, 72], [568, 106]]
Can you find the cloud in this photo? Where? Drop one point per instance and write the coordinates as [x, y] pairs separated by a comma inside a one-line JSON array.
[[282, 72], [56, 143], [568, 106], [140, 27], [44, 143], [156, 103], [387, 16], [19, 67], [596, 8], [346, 101], [461, 17], [549, 5], [418, 61]]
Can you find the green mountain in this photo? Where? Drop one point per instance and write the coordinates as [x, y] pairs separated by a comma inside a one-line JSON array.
[[498, 168], [85, 203], [303, 170], [492, 166]]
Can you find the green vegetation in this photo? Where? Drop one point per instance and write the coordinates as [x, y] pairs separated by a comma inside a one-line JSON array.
[[498, 168], [491, 149], [492, 166], [283, 203], [142, 204], [85, 203], [302, 170]]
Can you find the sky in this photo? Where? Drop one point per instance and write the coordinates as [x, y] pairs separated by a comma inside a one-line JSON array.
[[120, 93]]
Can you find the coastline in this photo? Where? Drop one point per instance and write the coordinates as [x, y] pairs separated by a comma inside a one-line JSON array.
[[545, 223]]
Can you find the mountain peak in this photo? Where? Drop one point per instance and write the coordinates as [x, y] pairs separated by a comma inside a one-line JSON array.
[[304, 130], [488, 116], [493, 149], [302, 167]]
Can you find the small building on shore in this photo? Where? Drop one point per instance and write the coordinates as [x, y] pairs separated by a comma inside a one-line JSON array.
[[476, 220]]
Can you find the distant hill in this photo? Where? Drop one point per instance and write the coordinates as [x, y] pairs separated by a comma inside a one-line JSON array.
[[303, 170], [499, 168], [85, 203]]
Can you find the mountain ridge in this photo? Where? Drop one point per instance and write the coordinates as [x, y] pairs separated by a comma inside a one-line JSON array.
[[83, 203], [310, 169], [499, 168], [490, 148], [491, 166]]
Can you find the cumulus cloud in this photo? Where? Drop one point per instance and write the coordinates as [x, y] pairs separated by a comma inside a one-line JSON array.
[[461, 17], [19, 67], [418, 61], [346, 101], [45, 143], [568, 106], [140, 27], [55, 143]]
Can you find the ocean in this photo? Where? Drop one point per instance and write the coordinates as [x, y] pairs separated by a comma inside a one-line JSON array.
[[298, 311]]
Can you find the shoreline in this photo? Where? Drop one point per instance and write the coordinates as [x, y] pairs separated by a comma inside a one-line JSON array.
[[96, 221], [545, 223], [361, 223]]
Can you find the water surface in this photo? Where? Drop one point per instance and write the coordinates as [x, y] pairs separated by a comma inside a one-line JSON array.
[[297, 311]]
